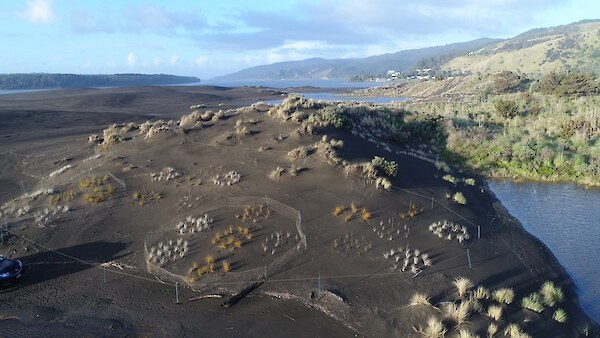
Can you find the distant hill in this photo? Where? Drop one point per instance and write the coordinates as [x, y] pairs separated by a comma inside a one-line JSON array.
[[344, 69], [575, 46], [44, 80]]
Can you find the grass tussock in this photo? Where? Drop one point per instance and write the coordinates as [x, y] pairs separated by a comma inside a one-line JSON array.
[[338, 210], [551, 294], [533, 302], [560, 316], [419, 299], [494, 312], [466, 333], [481, 293], [365, 214], [514, 331], [459, 313], [504, 295], [226, 267], [95, 181], [99, 194], [459, 198], [462, 285], [146, 198], [492, 329], [435, 329]]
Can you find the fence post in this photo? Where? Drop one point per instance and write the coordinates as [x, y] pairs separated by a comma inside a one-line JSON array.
[[104, 274], [266, 201], [469, 258], [177, 292], [265, 271], [431, 202], [319, 287], [478, 232]]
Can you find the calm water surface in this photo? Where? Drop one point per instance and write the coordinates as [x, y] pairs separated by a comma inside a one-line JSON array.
[[566, 218]]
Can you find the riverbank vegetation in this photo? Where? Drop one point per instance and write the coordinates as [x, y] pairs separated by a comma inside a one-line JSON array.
[[546, 129]]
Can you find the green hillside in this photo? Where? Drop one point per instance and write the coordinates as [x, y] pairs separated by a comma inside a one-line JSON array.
[[575, 46]]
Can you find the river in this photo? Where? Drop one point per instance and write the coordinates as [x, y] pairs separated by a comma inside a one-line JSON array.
[[566, 217]]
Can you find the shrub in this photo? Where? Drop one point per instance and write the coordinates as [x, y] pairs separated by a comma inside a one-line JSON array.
[[354, 207], [277, 173], [504, 295], [492, 329], [209, 259], [470, 181], [99, 195], [449, 178], [494, 312], [389, 168], [533, 302], [560, 316], [419, 299], [462, 284], [333, 115], [434, 329], [459, 198], [551, 294], [507, 109]]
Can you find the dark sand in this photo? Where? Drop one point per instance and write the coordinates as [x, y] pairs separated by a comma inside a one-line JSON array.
[[58, 296]]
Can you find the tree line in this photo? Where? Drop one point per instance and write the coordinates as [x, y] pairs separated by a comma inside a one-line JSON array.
[[46, 80]]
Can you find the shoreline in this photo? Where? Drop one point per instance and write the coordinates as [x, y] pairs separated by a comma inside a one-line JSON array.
[[510, 220]]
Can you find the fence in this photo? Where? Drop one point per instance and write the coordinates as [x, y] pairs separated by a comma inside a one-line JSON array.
[[205, 250]]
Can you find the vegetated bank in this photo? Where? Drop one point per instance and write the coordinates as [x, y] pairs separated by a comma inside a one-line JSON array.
[[507, 125], [47, 80]]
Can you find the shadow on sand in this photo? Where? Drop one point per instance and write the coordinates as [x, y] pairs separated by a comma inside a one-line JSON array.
[[48, 265]]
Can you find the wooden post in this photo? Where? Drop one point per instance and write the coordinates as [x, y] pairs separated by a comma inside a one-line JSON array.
[[177, 292], [469, 258]]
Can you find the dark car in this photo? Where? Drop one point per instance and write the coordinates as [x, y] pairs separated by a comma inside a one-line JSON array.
[[10, 270]]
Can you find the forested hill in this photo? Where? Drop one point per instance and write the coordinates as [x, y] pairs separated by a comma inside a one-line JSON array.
[[44, 80]]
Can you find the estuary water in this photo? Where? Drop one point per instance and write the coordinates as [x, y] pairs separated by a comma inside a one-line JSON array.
[[566, 217]]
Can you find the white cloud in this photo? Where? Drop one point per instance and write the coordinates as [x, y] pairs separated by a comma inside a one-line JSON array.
[[201, 60], [174, 59], [110, 64], [86, 65], [156, 61], [132, 60], [39, 11]]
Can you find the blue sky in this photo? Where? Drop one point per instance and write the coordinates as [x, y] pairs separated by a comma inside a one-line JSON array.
[[207, 38]]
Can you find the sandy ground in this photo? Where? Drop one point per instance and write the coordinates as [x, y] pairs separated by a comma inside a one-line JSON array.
[[339, 286]]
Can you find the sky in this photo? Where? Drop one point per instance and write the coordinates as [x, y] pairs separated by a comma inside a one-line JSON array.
[[207, 38]]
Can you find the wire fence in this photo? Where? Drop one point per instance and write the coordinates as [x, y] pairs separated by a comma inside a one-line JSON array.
[[206, 250]]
